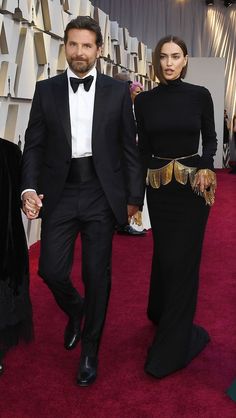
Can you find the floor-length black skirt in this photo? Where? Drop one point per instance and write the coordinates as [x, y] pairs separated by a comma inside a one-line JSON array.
[[15, 306], [178, 218]]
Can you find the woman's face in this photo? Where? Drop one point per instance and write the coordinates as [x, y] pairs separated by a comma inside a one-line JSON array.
[[172, 60]]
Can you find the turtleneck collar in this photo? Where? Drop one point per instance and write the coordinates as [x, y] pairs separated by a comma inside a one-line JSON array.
[[172, 83]]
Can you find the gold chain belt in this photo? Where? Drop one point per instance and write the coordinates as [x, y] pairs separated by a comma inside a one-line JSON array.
[[174, 159], [162, 176]]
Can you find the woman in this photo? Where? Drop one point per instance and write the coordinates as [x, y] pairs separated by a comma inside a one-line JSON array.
[[226, 131], [233, 170], [234, 128], [180, 191], [15, 306]]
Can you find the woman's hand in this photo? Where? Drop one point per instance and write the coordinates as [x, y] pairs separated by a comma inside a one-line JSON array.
[[205, 184], [203, 179]]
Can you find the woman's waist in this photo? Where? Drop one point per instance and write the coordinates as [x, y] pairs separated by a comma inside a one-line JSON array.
[[158, 161]]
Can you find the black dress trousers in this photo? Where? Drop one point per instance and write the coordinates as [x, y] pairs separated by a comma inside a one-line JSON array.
[[83, 208]]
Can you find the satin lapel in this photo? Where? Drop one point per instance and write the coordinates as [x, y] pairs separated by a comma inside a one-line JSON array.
[[61, 94], [102, 90]]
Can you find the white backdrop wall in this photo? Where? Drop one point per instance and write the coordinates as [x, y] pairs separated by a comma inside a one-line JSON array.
[[209, 72], [207, 31], [32, 49]]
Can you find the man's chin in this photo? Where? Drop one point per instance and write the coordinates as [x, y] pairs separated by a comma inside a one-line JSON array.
[[79, 69]]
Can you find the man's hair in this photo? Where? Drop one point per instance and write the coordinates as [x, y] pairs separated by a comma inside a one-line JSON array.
[[85, 22], [157, 56]]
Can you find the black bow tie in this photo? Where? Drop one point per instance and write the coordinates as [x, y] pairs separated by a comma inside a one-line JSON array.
[[75, 82]]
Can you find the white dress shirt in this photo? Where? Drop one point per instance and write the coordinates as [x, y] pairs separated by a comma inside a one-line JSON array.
[[81, 116]]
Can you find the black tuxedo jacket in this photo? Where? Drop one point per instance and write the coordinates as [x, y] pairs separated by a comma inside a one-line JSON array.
[[47, 152]]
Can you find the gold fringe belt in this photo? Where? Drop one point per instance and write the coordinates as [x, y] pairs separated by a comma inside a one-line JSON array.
[[163, 176]]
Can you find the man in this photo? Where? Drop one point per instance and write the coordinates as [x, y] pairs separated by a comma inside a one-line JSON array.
[[82, 172]]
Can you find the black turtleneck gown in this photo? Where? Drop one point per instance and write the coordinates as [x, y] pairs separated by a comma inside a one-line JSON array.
[[170, 119]]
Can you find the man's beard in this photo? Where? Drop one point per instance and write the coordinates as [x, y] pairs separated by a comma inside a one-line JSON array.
[[81, 67]]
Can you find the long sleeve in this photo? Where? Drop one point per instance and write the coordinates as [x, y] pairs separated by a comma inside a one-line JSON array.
[[209, 143], [34, 145], [171, 119]]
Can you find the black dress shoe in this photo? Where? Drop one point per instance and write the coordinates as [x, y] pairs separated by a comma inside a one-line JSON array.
[[129, 230], [72, 333], [87, 370]]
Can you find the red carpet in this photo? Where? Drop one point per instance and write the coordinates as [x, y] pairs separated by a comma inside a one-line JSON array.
[[39, 379]]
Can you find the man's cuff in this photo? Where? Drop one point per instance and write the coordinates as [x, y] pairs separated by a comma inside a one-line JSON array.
[[27, 190]]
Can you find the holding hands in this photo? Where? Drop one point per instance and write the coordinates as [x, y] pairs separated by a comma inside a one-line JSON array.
[[32, 203]]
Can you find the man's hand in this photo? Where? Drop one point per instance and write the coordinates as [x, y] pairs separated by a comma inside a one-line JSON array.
[[132, 210], [32, 204]]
